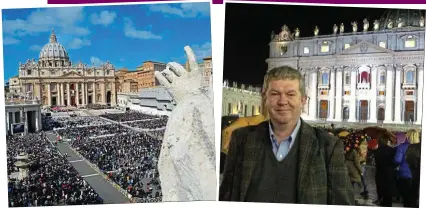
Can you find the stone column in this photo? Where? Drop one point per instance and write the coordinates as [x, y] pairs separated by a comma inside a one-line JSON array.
[[26, 122], [419, 107], [373, 98], [103, 92], [331, 96], [37, 120], [339, 89], [389, 94], [68, 94], [352, 102], [113, 94], [58, 98], [77, 96], [94, 94], [398, 74], [313, 95], [7, 121], [62, 94], [49, 95], [83, 94], [13, 117]]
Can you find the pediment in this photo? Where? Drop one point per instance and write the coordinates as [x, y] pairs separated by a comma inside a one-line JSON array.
[[365, 48], [72, 75]]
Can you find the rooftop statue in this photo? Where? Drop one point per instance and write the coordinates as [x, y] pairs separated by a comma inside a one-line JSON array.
[[354, 26], [390, 24], [422, 21], [342, 28], [297, 33], [285, 34], [335, 28], [316, 31], [366, 24], [187, 164], [376, 25]]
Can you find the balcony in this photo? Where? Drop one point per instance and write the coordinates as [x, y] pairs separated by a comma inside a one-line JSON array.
[[409, 85], [363, 86]]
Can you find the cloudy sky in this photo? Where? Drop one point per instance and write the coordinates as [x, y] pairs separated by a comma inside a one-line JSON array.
[[125, 35]]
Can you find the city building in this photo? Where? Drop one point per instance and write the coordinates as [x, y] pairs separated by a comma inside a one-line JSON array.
[[240, 100], [22, 116], [14, 85], [155, 99], [369, 73], [57, 82]]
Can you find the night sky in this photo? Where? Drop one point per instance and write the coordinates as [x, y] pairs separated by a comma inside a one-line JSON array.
[[248, 30]]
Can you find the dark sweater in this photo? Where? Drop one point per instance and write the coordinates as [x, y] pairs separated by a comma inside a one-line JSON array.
[[274, 181]]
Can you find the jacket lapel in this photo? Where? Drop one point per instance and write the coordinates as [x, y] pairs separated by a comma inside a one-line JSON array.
[[252, 155], [308, 147]]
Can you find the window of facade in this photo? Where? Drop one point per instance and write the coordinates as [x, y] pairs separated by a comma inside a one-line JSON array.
[[382, 77], [381, 93], [365, 77], [347, 46], [409, 77], [284, 49], [324, 78], [382, 44], [325, 48], [306, 50], [347, 78], [28, 72], [410, 42]]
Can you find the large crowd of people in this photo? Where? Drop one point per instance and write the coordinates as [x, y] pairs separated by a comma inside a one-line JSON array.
[[91, 131], [149, 124], [128, 116], [51, 180]]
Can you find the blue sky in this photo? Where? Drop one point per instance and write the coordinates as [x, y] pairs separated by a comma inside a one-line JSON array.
[[125, 35]]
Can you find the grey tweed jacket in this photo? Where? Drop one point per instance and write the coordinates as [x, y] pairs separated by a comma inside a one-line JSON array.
[[322, 174]]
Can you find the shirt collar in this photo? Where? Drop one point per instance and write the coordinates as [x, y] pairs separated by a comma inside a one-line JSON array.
[[290, 139]]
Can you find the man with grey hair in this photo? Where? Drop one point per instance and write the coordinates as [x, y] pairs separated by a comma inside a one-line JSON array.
[[284, 159]]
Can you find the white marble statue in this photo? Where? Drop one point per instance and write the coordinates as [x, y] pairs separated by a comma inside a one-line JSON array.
[[400, 23], [376, 25], [335, 28], [187, 163], [285, 34], [342, 28], [354, 26], [366, 24], [422, 21], [390, 24], [296, 33], [316, 31]]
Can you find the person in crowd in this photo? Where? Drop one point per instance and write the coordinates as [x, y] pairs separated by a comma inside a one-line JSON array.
[[363, 153], [405, 183], [385, 171], [354, 167], [284, 159], [413, 157]]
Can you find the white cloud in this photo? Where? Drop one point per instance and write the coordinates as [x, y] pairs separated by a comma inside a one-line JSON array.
[[77, 43], [131, 32], [43, 20], [103, 18], [186, 10], [35, 48], [9, 40], [96, 61], [202, 51]]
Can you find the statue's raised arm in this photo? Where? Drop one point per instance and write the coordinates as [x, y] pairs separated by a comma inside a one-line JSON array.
[[187, 164]]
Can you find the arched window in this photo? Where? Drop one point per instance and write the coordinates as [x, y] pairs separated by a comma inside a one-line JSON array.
[[324, 78], [347, 78], [382, 77], [409, 77], [364, 77]]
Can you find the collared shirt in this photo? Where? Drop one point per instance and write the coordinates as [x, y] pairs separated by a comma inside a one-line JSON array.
[[281, 150]]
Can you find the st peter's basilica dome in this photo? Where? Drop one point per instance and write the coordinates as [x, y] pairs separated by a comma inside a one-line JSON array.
[[53, 50]]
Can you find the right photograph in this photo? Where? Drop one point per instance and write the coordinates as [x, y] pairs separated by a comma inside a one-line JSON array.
[[322, 105]]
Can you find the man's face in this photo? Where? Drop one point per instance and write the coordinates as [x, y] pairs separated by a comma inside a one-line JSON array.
[[284, 101]]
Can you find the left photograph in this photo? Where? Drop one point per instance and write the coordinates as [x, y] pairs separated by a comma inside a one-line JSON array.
[[109, 104]]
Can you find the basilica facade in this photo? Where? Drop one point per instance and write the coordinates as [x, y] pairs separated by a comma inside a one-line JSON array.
[[55, 81], [370, 73]]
